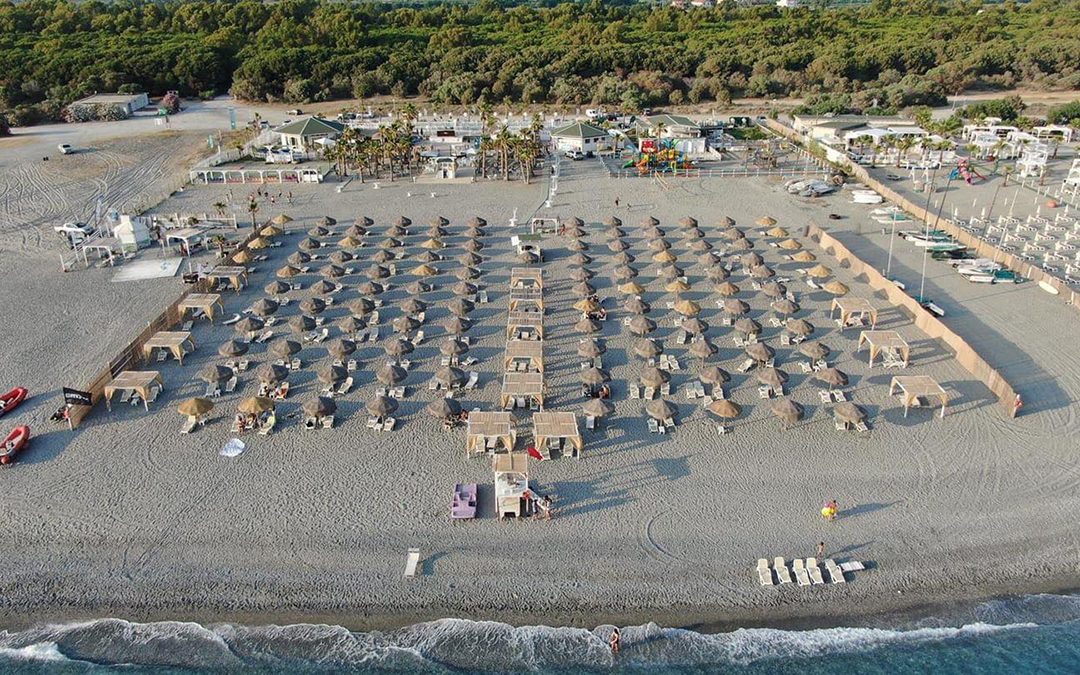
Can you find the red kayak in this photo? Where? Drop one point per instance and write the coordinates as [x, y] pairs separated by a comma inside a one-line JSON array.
[[12, 399], [14, 443]]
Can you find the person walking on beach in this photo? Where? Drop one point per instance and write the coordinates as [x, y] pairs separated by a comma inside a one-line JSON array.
[[829, 511], [821, 549], [614, 640]]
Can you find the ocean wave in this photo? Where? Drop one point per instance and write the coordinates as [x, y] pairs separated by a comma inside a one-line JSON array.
[[454, 645]]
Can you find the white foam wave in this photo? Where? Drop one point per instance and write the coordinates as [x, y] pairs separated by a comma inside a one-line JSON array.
[[41, 651]]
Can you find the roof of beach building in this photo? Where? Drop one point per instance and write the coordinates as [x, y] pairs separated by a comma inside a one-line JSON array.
[[579, 130], [672, 121], [311, 126]]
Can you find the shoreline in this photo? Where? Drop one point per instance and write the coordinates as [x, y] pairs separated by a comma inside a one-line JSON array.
[[889, 612]]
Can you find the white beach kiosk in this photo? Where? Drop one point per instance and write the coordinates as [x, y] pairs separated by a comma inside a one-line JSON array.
[[582, 137]]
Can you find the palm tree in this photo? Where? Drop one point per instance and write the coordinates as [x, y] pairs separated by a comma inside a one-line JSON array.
[[486, 120], [220, 241], [220, 208], [503, 143], [253, 208]]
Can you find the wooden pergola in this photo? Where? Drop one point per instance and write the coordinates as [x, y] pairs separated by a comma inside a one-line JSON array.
[[485, 426], [533, 350], [534, 276], [207, 302], [511, 482], [234, 274], [517, 320], [858, 308], [138, 381], [173, 341], [531, 296], [884, 340], [522, 385], [556, 425], [915, 387]]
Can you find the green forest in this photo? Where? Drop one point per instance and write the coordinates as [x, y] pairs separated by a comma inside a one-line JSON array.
[[892, 53]]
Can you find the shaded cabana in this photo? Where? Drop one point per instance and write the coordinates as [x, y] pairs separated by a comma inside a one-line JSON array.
[[561, 426], [487, 430], [529, 296], [854, 311], [526, 276], [207, 303], [176, 342], [520, 321], [235, 275], [139, 381], [916, 389], [531, 351], [888, 342], [518, 385]]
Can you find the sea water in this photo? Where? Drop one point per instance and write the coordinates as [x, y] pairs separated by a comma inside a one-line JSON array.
[[1029, 634]]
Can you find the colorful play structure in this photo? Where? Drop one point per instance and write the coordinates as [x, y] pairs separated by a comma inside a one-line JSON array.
[[658, 155], [964, 169]]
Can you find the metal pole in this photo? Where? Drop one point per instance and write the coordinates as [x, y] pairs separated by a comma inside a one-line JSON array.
[[926, 251]]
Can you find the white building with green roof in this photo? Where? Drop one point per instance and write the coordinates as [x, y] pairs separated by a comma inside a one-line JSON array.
[[302, 134], [583, 137]]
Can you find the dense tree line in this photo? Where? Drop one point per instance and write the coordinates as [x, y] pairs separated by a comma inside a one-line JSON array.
[[894, 53]]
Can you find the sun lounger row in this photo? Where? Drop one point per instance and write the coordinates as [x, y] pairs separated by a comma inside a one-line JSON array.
[[806, 572]]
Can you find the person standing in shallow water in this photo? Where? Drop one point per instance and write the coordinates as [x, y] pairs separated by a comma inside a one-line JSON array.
[[614, 640]]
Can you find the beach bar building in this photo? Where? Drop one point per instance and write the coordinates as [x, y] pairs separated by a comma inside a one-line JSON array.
[[582, 137], [305, 134]]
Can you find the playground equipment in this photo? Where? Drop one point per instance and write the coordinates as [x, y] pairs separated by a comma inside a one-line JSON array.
[[658, 155], [966, 170]]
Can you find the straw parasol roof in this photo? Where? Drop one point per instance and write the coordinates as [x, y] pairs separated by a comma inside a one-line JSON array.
[[641, 325], [597, 408], [587, 325], [653, 233], [361, 306], [341, 348], [594, 376], [648, 221], [776, 232], [695, 325], [287, 272], [389, 242], [280, 219], [248, 324], [413, 306], [773, 289], [349, 241], [350, 325], [676, 286], [382, 256], [832, 377], [790, 245], [612, 221], [427, 257], [849, 412], [528, 257], [614, 232], [326, 221], [694, 233], [773, 377], [617, 245], [215, 373], [258, 243], [320, 406], [307, 243], [586, 305], [577, 245], [760, 351], [473, 245], [623, 258], [417, 287], [725, 409], [301, 324], [356, 230], [284, 347], [648, 349], [632, 288], [474, 232], [787, 410], [785, 306], [405, 324], [437, 232], [255, 405], [324, 287], [804, 256], [369, 288], [659, 245], [331, 374], [766, 221], [398, 346], [341, 257], [735, 306], [397, 231], [636, 306], [700, 246], [424, 270], [299, 258], [762, 272], [450, 376], [652, 376], [742, 245], [751, 260], [664, 256], [243, 257], [460, 306], [312, 305], [732, 234], [747, 326], [580, 259], [819, 271], [671, 272], [590, 348], [727, 289], [687, 308], [702, 349], [264, 307], [581, 274], [717, 272], [660, 409], [382, 406], [332, 271], [442, 408], [469, 259], [272, 373], [390, 374], [233, 348], [403, 221], [815, 350], [432, 244], [799, 327], [194, 407], [455, 325], [625, 273], [688, 221], [714, 375], [575, 232], [583, 289], [836, 287], [453, 347]]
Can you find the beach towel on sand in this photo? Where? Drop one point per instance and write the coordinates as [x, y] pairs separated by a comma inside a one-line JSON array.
[[232, 448]]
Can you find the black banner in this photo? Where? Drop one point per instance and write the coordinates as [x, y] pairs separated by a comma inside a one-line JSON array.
[[76, 397]]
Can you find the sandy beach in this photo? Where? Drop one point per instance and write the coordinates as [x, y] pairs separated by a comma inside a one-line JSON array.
[[127, 517]]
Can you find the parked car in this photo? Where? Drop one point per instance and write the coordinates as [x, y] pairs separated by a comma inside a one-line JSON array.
[[575, 155], [74, 233], [65, 149], [295, 111]]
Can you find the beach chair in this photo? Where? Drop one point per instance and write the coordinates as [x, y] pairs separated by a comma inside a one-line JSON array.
[[590, 422], [397, 393], [282, 391], [264, 389], [470, 361], [161, 355], [328, 422], [765, 575], [311, 423], [474, 378], [351, 366], [746, 366], [661, 429], [264, 337], [764, 392], [634, 391], [235, 318], [836, 575], [801, 575], [824, 396], [815, 571], [654, 426], [212, 391], [373, 318], [861, 426], [648, 393], [782, 573], [345, 387], [852, 566], [785, 340], [839, 396], [325, 333], [412, 561], [665, 389], [230, 385], [722, 429], [373, 423], [840, 426], [388, 424], [418, 338], [189, 426], [186, 326], [726, 321], [295, 364], [373, 333], [268, 426], [243, 364], [691, 392]]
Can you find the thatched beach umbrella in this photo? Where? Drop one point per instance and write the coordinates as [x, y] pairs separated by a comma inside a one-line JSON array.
[[356, 230], [403, 221], [460, 306], [450, 376], [381, 406], [469, 259], [747, 326], [787, 410], [377, 272], [641, 325], [766, 221], [590, 348], [587, 305], [474, 232], [594, 377], [814, 350], [284, 348], [301, 324], [784, 306], [232, 348], [443, 408], [664, 257], [726, 289], [427, 257], [413, 306], [617, 245], [299, 258], [849, 413], [695, 326], [613, 221], [213, 373], [417, 287], [331, 374], [760, 352], [799, 327], [455, 325], [649, 221], [287, 272], [383, 256], [389, 242], [804, 256], [432, 244], [653, 377], [583, 290], [623, 258], [398, 346], [762, 272], [256, 405], [326, 221], [580, 259], [369, 288], [658, 245], [248, 324], [464, 288], [324, 287], [819, 271], [773, 377], [735, 306], [790, 245], [741, 245], [688, 221], [700, 246], [732, 234], [596, 407], [677, 286], [453, 347], [424, 270], [361, 306], [773, 289], [350, 241], [836, 288], [405, 324], [258, 243], [280, 219], [473, 245], [702, 349], [671, 272], [340, 348], [725, 409], [195, 407], [264, 307], [309, 244], [614, 232], [632, 288], [313, 306], [625, 273], [332, 271], [636, 305], [350, 325], [718, 273], [648, 349], [714, 375], [587, 326], [581, 274], [660, 409], [832, 377], [243, 257], [776, 233], [577, 245], [319, 406], [272, 373]]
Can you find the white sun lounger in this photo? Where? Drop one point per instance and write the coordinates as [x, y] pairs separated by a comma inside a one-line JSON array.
[[765, 575], [852, 566], [836, 575], [782, 572], [814, 570], [801, 575], [412, 561]]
